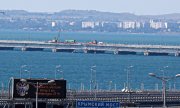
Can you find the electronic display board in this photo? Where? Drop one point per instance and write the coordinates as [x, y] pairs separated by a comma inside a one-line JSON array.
[[29, 87]]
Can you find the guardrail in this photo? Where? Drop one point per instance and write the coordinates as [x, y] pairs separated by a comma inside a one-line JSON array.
[[125, 98]]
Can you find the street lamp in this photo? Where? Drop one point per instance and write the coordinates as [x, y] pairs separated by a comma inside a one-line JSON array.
[[93, 79], [110, 85], [58, 67], [29, 72], [62, 74], [164, 81], [10, 86], [128, 78], [21, 68], [37, 87]]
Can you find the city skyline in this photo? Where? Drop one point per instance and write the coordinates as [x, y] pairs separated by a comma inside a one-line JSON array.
[[138, 7]]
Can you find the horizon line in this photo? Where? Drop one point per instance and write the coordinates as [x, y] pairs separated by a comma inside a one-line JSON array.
[[30, 11]]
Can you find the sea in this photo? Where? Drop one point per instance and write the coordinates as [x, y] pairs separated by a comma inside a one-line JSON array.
[[111, 72]]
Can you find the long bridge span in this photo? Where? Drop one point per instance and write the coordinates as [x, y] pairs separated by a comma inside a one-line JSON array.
[[126, 99], [123, 49]]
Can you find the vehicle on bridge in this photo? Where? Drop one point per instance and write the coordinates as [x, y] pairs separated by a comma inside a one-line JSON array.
[[70, 41], [55, 40]]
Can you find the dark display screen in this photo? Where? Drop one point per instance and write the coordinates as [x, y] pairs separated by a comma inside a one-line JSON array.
[[28, 88]]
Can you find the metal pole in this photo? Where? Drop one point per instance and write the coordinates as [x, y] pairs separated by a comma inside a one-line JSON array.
[[128, 77], [174, 87], [110, 84], [22, 66], [127, 80], [9, 87], [164, 93], [91, 79], [95, 94], [95, 83], [20, 72], [156, 87], [90, 85], [142, 86], [37, 87], [2, 90], [55, 73], [62, 74], [81, 86], [164, 81], [57, 70], [69, 86], [29, 74]]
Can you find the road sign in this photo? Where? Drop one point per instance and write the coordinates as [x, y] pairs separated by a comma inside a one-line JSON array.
[[97, 104]]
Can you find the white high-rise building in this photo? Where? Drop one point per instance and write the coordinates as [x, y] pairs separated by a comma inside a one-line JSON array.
[[88, 24], [53, 24], [71, 23], [158, 25], [138, 25], [129, 25]]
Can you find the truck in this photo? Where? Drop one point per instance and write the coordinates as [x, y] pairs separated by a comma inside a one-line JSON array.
[[70, 41]]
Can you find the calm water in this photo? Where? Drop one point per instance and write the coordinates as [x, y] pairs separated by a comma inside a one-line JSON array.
[[111, 69]]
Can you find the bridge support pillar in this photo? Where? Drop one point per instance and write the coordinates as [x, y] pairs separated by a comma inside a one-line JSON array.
[[177, 54], [54, 50], [116, 52], [23, 49], [146, 53], [85, 51]]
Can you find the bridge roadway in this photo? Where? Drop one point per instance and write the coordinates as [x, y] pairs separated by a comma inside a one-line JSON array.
[[90, 48], [135, 99]]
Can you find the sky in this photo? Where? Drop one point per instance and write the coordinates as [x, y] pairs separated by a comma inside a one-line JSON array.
[[138, 7]]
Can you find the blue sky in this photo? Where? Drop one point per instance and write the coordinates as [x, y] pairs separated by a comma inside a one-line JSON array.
[[139, 7]]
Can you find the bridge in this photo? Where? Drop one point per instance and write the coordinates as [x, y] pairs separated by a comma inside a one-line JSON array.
[[126, 99], [26, 94], [147, 50]]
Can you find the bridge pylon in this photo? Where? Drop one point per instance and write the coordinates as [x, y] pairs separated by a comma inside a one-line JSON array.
[[54, 50], [23, 49], [146, 53], [177, 54]]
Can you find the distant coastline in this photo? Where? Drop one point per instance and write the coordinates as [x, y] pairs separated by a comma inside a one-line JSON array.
[[89, 21]]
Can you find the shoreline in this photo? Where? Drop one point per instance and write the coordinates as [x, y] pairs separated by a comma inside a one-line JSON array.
[[93, 32]]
